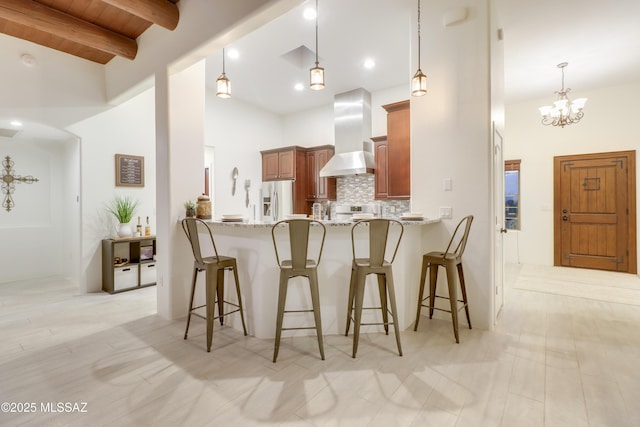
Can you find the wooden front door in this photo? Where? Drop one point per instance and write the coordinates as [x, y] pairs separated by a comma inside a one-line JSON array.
[[594, 211]]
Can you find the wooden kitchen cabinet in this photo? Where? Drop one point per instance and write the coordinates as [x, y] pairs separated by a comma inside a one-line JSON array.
[[288, 163], [319, 188], [381, 179], [397, 165], [281, 163]]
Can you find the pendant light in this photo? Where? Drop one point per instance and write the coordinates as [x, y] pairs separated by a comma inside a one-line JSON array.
[[316, 77], [419, 81], [223, 84]]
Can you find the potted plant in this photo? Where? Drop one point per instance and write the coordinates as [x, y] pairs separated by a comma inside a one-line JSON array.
[[190, 207], [123, 208]]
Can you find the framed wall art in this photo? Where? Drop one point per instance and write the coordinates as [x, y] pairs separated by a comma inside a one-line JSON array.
[[129, 171]]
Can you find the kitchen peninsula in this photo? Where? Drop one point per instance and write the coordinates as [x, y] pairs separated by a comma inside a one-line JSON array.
[[251, 243]]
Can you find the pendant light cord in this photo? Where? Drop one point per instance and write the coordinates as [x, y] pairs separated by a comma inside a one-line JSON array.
[[418, 34], [316, 33], [223, 61]]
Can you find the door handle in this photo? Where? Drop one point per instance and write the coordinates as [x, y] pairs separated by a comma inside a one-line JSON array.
[[565, 218], [503, 230]]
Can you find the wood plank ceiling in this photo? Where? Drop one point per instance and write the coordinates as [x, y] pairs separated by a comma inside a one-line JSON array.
[[96, 30]]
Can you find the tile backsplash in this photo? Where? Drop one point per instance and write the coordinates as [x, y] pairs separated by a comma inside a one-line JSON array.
[[355, 189], [359, 189]]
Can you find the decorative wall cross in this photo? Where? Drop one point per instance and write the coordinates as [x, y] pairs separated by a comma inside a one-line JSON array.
[[9, 179]]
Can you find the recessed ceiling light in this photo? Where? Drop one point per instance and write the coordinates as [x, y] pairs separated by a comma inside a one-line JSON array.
[[369, 63], [16, 123], [28, 60], [233, 54], [309, 13], [298, 86]]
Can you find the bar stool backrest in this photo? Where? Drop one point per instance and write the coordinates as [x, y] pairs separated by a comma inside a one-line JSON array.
[[379, 232], [460, 236], [191, 227], [298, 240]]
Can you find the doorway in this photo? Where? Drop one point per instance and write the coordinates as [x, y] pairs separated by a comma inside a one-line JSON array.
[[595, 211], [499, 222]]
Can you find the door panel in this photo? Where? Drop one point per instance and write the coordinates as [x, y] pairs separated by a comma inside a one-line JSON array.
[[593, 201]]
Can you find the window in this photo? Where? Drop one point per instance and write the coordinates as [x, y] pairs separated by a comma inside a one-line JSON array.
[[512, 194]]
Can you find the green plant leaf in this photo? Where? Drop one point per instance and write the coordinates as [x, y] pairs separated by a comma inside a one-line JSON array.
[[123, 208]]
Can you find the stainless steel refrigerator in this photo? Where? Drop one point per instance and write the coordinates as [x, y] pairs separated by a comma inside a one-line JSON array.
[[277, 200]]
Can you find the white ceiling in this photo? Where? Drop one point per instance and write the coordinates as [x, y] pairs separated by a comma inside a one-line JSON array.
[[599, 39], [349, 31]]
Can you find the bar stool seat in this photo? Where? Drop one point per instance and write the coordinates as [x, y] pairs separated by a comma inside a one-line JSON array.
[[451, 261], [379, 231], [215, 267], [298, 265]]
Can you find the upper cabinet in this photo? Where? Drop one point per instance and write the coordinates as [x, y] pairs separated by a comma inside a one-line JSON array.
[[319, 188], [393, 171], [282, 163], [381, 179]]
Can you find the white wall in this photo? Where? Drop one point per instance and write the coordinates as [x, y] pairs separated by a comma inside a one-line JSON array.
[[58, 90], [237, 131], [36, 239], [128, 128], [451, 138], [608, 125], [384, 97], [310, 127], [180, 129]]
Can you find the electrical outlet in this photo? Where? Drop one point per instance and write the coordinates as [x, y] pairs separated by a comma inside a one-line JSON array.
[[446, 213]]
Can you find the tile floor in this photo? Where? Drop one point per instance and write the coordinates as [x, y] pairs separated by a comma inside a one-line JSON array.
[[551, 361]]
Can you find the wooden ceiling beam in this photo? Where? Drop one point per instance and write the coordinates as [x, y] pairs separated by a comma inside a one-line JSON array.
[[35, 15], [160, 12]]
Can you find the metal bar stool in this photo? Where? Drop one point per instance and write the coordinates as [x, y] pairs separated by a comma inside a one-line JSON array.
[[298, 265], [214, 267], [450, 261], [379, 232]]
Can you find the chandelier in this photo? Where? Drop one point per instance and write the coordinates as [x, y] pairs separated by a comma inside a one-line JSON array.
[[563, 112]]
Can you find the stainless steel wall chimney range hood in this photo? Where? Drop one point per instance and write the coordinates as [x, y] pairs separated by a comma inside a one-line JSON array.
[[352, 126]]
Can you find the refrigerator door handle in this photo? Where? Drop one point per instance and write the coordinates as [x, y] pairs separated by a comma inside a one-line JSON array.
[[274, 207]]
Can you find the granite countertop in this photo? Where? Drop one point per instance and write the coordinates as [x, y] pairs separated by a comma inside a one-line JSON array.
[[327, 223]]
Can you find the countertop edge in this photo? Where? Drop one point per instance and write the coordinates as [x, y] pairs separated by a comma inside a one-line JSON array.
[[259, 224]]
